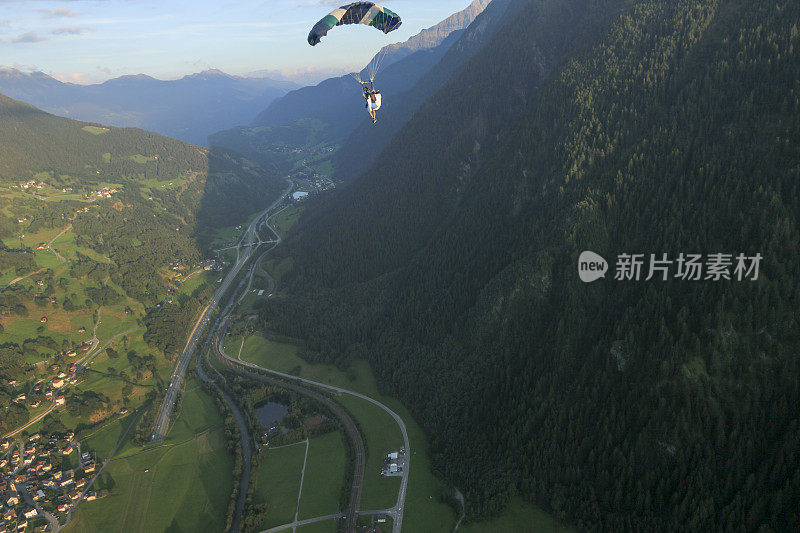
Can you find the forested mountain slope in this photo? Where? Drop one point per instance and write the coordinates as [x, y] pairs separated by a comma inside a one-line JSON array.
[[645, 126], [366, 143], [190, 108]]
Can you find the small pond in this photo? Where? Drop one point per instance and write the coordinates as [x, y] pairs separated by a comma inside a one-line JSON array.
[[269, 413]]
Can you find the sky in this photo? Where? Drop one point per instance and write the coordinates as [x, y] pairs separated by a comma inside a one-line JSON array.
[[90, 41]]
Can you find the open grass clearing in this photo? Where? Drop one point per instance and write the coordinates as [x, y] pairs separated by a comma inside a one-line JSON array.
[[382, 435], [180, 486], [185, 488], [324, 477], [277, 482], [287, 218], [95, 130]]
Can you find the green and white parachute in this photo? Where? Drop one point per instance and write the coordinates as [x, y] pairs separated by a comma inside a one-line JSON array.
[[368, 13]]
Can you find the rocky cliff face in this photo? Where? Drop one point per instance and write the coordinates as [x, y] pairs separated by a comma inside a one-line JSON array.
[[433, 36]]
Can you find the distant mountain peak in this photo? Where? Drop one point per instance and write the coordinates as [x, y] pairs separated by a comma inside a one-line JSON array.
[[132, 77], [433, 36], [209, 73], [11, 72]]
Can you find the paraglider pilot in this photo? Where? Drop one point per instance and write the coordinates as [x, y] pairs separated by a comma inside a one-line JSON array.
[[373, 99]]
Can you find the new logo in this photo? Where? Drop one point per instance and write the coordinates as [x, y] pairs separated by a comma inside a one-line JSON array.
[[591, 267]]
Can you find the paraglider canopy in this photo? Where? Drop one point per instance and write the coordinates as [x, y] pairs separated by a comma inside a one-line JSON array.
[[367, 13]]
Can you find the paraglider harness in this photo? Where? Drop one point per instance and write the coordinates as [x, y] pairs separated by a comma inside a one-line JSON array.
[[369, 91]]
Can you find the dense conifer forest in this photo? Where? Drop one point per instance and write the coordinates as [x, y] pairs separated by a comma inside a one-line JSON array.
[[636, 126]]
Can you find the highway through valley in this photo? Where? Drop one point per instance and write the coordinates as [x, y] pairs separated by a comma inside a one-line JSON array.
[[173, 391], [323, 393]]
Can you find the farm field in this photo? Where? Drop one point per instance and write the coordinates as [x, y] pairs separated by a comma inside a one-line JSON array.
[[287, 218], [324, 473], [183, 484], [277, 482]]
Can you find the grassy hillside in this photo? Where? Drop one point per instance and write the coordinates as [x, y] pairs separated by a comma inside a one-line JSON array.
[[646, 126], [99, 228]]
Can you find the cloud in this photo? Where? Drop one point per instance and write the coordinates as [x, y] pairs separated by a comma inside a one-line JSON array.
[[19, 66], [70, 30], [81, 78], [61, 12], [28, 37]]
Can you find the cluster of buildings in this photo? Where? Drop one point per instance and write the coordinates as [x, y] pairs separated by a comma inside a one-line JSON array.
[[51, 390], [30, 184], [393, 463], [212, 265], [314, 183], [105, 192], [32, 483], [73, 352]]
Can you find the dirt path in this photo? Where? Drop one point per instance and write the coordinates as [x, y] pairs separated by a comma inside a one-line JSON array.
[[302, 478]]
